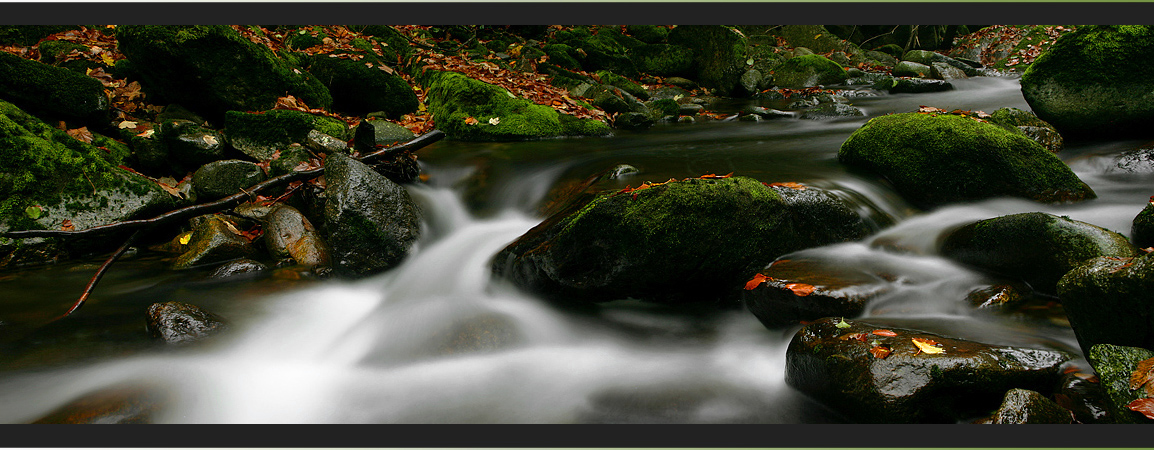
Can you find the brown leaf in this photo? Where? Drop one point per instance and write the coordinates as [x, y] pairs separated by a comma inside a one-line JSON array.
[[1144, 406], [755, 282], [887, 333], [881, 351], [81, 134], [800, 289], [1143, 375], [66, 225], [790, 184], [854, 336]]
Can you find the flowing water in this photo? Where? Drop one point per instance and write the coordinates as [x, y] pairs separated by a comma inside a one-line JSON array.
[[437, 340]]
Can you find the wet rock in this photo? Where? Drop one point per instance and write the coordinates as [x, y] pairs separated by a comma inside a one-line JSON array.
[[55, 91], [717, 55], [684, 84], [387, 133], [324, 143], [358, 88], [1038, 248], [809, 289], [484, 332], [943, 71], [881, 58], [289, 159], [1025, 121], [288, 234], [689, 110], [912, 69], [933, 160], [372, 222], [1109, 301], [767, 113], [220, 179], [928, 58], [189, 145], [212, 69], [916, 86], [182, 323], [111, 405], [214, 239], [827, 111], [241, 268], [838, 365], [633, 243], [633, 121], [1082, 394], [871, 79], [260, 135], [1107, 102], [997, 296], [808, 71], [1142, 229], [1026, 406], [1114, 365], [750, 83], [1137, 161]]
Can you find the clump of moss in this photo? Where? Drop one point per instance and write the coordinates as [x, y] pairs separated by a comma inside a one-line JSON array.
[[359, 89], [649, 34], [52, 90], [623, 83], [278, 128], [29, 35], [808, 71], [664, 60]]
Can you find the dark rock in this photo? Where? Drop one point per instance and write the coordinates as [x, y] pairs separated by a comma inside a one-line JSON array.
[[911, 69], [176, 112], [631, 244], [1036, 247], [324, 143], [182, 323], [188, 144], [260, 135], [881, 58], [288, 160], [609, 99], [682, 83], [832, 111], [1025, 406], [214, 240], [1109, 301], [1082, 394], [1025, 121], [649, 34], [212, 69], [933, 160], [124, 404], [997, 296], [1091, 83], [929, 58], [1142, 230], [288, 234], [831, 361], [1137, 161], [808, 71], [623, 83], [943, 71], [766, 113], [717, 61], [809, 289], [359, 89], [633, 121], [664, 60], [372, 222], [1114, 365], [388, 133], [689, 110], [220, 179], [50, 90], [917, 86], [750, 83], [242, 268]]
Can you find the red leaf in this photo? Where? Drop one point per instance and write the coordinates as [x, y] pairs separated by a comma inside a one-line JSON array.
[[887, 333], [755, 282], [1144, 406], [881, 351], [790, 184]]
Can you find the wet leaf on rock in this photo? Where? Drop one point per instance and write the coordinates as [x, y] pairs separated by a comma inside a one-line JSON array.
[[33, 212], [81, 134], [1143, 375], [842, 323], [881, 351], [928, 346], [800, 289], [887, 333], [1144, 406], [755, 282], [854, 336], [66, 225]]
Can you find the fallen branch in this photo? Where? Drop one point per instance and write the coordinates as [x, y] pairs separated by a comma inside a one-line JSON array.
[[100, 274]]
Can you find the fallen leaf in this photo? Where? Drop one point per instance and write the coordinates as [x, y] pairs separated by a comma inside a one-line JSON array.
[[928, 345], [470, 121], [146, 134], [755, 282], [887, 333], [127, 124], [1144, 406], [81, 134], [108, 61], [66, 225], [881, 351], [494, 121], [185, 238], [800, 289], [842, 323], [790, 184], [1143, 375], [33, 212], [854, 336], [209, 139]]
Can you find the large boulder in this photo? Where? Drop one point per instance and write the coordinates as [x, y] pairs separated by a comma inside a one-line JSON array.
[[220, 179], [472, 110], [260, 135], [212, 69], [358, 88], [1038, 248], [877, 374], [929, 58], [57, 91], [934, 159], [808, 71], [1109, 300], [372, 223], [183, 145], [1095, 82], [717, 54], [1116, 365], [694, 240]]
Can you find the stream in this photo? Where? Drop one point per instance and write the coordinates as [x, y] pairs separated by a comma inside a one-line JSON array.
[[437, 340]]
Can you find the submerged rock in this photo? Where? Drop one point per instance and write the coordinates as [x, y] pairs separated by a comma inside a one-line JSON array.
[[1115, 364], [937, 159], [695, 240], [913, 85], [1109, 300], [803, 289], [1038, 248], [182, 323], [1082, 394], [828, 111], [288, 234], [1026, 406], [879, 375], [124, 404], [241, 268], [1094, 83], [372, 222]]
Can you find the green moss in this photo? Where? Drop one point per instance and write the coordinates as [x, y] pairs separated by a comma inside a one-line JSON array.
[[303, 38], [53, 51], [650, 34], [572, 126], [623, 83], [808, 70], [718, 54], [53, 90], [562, 55], [29, 35], [359, 89], [664, 60], [1114, 365], [814, 37], [891, 49], [280, 126], [664, 107], [940, 159], [1142, 229]]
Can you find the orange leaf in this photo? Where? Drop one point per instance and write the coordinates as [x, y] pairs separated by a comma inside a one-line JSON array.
[[716, 177], [66, 225], [81, 134], [755, 282], [1143, 376], [790, 184], [928, 345], [855, 336], [800, 289], [1144, 406], [470, 121], [887, 333], [881, 351]]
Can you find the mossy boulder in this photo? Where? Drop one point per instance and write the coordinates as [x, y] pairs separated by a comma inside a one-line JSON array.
[[454, 98], [260, 135], [1142, 229], [911, 69], [937, 159], [1029, 124], [212, 69], [359, 89], [906, 85], [649, 34], [220, 179], [807, 71], [665, 60], [1021, 406], [695, 240], [1038, 248], [562, 55], [55, 91], [185, 145], [1110, 300], [214, 240], [1115, 364], [1094, 83], [814, 37], [29, 35], [372, 223], [56, 52], [623, 83], [48, 177], [888, 379], [718, 54]]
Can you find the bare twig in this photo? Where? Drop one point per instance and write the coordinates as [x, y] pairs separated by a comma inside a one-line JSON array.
[[100, 274]]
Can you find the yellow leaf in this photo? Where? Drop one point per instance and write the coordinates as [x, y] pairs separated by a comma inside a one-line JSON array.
[[108, 61], [127, 124], [185, 238], [927, 346]]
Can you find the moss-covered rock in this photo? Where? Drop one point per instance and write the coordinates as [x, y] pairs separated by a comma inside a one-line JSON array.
[[695, 240], [601, 51], [1110, 300], [664, 60], [623, 83], [888, 379], [56, 91], [562, 55], [808, 71], [1036, 247], [220, 179], [372, 223], [649, 34], [214, 239], [938, 159], [29, 35], [928, 58], [912, 69], [454, 98], [56, 52], [906, 85], [212, 69], [260, 135], [1094, 83], [718, 54], [186, 145], [814, 37], [359, 89], [1028, 123], [1142, 229], [1115, 364], [1025, 406]]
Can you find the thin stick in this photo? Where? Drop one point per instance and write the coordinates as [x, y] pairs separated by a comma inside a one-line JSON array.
[[100, 274]]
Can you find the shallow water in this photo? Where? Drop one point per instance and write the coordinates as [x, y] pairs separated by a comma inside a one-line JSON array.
[[436, 340]]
